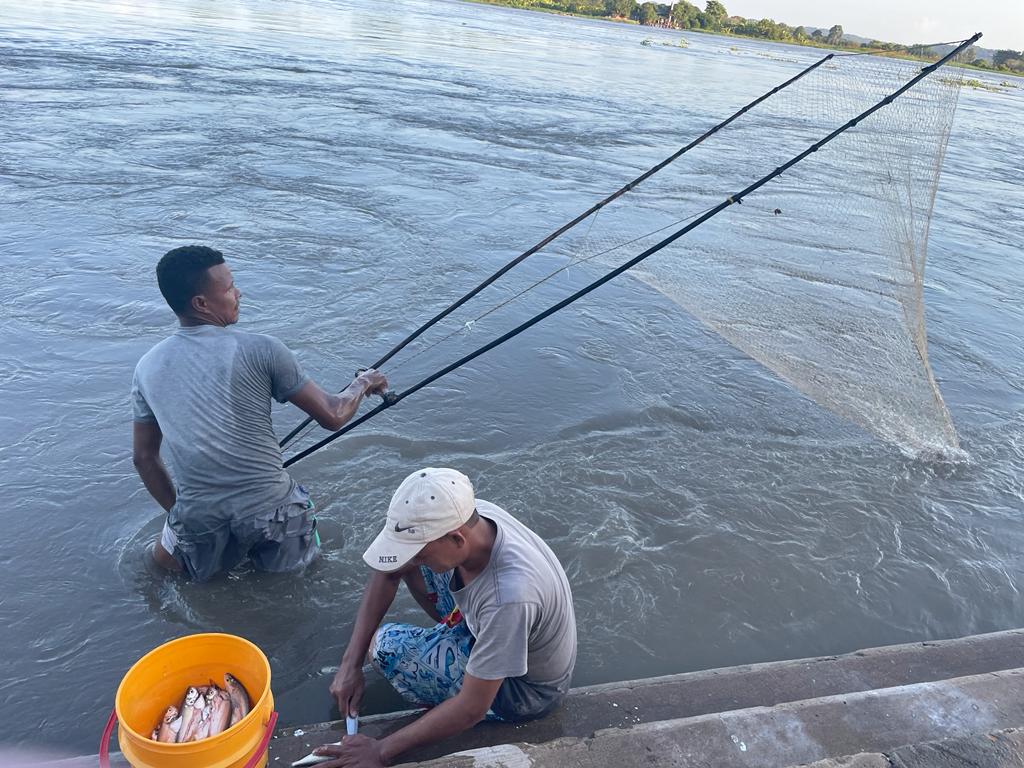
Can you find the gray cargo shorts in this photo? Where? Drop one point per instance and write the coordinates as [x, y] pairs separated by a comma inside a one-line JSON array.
[[285, 539]]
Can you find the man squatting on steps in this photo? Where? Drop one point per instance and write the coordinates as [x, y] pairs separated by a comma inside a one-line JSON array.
[[504, 646]]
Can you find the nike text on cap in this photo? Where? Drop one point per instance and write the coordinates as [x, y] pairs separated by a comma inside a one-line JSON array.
[[429, 504]]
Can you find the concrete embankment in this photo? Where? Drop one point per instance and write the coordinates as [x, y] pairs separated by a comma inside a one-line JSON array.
[[945, 703], [776, 714]]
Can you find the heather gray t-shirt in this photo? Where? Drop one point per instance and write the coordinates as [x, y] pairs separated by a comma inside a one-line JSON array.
[[519, 609], [209, 389]]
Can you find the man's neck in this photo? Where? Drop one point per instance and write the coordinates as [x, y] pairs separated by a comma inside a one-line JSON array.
[[189, 321], [481, 545]]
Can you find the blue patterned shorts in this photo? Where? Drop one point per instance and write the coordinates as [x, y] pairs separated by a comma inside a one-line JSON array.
[[425, 664]]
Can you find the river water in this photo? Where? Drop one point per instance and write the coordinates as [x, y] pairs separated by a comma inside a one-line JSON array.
[[361, 164]]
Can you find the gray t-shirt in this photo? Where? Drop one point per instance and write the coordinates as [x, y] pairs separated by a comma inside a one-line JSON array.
[[209, 389], [519, 609]]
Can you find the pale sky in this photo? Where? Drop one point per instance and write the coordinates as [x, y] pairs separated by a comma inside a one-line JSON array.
[[899, 21]]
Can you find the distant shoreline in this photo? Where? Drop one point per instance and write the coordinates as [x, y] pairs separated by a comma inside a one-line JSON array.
[[899, 51]]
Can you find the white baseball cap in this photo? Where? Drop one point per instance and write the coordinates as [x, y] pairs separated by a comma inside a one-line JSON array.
[[429, 504]]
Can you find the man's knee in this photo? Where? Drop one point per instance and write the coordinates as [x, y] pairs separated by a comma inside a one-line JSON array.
[[371, 652]]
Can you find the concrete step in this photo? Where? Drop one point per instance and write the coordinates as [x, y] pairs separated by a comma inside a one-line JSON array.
[[1000, 749], [878, 721], [672, 697]]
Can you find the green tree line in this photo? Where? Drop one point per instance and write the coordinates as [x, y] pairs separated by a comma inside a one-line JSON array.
[[715, 18]]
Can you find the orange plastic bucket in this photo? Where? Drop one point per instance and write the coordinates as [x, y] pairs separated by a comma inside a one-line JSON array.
[[160, 679]]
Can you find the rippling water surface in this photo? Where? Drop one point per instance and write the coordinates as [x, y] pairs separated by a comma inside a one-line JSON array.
[[363, 163]]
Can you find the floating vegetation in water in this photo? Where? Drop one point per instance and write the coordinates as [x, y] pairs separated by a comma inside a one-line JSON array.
[[979, 85], [773, 57], [1008, 84], [681, 43]]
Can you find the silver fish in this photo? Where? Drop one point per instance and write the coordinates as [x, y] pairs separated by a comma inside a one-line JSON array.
[[220, 717], [187, 713], [240, 703], [192, 715], [206, 717], [203, 730], [351, 728], [165, 732], [206, 723]]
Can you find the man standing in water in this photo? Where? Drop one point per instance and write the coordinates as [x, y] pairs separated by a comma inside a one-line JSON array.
[[204, 393], [508, 654]]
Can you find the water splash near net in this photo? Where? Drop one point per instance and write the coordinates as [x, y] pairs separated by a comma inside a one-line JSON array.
[[819, 275]]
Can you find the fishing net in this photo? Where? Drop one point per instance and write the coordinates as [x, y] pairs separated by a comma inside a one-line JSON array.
[[819, 275]]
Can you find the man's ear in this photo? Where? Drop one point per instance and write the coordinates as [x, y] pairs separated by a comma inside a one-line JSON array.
[[458, 537], [199, 304]]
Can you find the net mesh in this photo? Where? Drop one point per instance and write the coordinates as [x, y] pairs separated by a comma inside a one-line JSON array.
[[819, 274]]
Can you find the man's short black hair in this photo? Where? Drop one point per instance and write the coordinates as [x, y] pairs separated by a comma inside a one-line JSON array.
[[181, 272]]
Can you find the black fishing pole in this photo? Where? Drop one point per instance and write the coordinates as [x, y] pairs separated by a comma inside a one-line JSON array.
[[566, 227], [395, 398]]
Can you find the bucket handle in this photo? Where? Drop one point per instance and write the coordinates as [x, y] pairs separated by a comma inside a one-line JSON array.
[[260, 748]]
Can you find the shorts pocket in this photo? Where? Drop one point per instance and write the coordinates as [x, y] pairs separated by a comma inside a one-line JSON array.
[[205, 554], [286, 539]]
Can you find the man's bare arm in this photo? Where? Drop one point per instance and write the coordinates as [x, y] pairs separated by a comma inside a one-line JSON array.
[[334, 411], [447, 719], [348, 684], [146, 440], [417, 585]]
